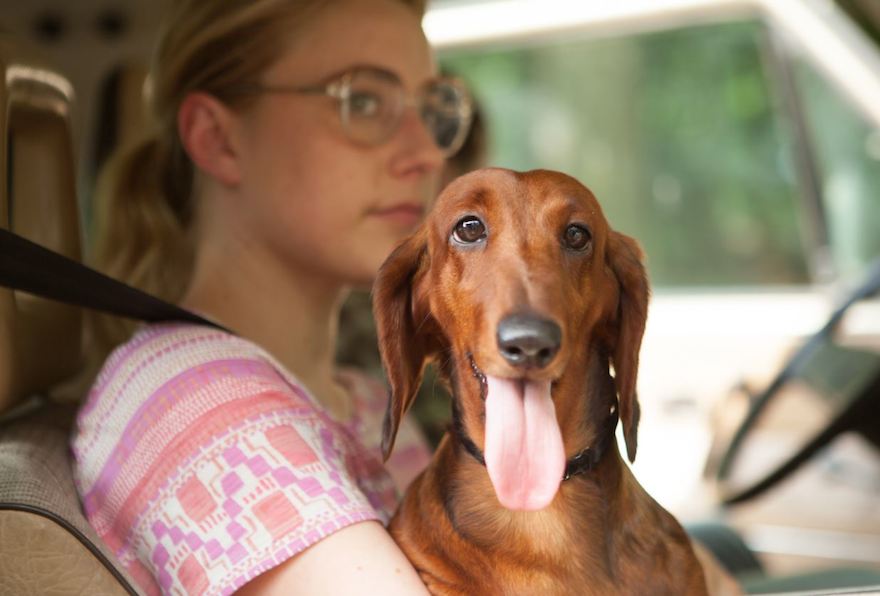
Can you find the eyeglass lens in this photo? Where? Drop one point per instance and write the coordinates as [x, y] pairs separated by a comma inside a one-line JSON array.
[[374, 102]]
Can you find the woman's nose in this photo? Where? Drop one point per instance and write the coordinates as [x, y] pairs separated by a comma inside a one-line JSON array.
[[416, 148]]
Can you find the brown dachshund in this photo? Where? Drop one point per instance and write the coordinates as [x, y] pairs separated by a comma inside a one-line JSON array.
[[525, 297]]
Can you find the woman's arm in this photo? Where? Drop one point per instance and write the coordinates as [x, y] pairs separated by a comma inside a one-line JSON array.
[[358, 559]]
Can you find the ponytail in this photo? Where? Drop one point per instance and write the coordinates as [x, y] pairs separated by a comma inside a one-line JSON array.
[[142, 227]]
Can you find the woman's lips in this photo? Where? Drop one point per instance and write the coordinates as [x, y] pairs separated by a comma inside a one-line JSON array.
[[404, 214]]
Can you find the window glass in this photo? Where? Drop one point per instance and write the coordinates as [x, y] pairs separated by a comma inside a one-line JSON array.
[[677, 133], [848, 154]]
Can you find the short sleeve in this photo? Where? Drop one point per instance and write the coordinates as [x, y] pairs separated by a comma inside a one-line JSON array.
[[222, 472]]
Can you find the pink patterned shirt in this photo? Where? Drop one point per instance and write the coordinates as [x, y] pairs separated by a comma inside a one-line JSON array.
[[202, 462]]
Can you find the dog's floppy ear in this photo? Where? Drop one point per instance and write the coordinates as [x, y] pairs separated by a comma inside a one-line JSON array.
[[403, 346], [625, 260]]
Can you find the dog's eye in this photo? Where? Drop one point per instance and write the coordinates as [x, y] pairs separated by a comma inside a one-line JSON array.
[[469, 230], [577, 237]]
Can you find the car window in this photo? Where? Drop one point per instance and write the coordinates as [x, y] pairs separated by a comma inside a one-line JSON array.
[[847, 150], [677, 132]]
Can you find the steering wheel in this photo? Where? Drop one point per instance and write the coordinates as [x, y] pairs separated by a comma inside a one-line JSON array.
[[856, 397]]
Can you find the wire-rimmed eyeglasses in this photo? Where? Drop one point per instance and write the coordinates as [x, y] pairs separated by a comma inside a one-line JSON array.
[[372, 102]]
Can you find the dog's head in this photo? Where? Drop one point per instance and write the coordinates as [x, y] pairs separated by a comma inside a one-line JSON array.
[[516, 284]]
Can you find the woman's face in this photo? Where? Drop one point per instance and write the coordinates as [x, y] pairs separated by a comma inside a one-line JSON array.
[[311, 197]]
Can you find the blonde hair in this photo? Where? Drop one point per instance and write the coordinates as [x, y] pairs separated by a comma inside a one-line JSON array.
[[143, 201]]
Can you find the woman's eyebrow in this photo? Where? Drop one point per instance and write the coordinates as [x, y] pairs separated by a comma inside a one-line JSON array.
[[362, 66]]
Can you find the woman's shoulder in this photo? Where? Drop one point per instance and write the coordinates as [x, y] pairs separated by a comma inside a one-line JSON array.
[[161, 352], [171, 372], [170, 347]]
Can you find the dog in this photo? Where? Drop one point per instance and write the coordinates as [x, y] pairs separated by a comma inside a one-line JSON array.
[[516, 286]]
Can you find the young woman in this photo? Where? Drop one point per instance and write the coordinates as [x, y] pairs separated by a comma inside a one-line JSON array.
[[296, 142]]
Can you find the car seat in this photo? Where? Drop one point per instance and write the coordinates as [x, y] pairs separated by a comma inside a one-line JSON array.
[[46, 545]]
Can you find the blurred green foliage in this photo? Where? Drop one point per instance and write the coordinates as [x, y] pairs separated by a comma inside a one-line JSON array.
[[678, 133]]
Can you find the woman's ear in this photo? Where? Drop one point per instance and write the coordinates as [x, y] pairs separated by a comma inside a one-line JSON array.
[[208, 132]]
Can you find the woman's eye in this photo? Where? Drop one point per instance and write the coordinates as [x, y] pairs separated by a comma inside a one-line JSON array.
[[469, 230], [577, 237], [364, 104]]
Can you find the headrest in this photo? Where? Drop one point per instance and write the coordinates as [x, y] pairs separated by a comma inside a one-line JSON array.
[[40, 340]]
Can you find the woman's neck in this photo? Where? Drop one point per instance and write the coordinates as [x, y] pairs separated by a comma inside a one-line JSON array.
[[289, 313]]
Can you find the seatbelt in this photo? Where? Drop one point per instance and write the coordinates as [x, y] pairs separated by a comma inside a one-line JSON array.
[[31, 268]]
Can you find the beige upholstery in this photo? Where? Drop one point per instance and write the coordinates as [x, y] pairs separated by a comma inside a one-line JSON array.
[[46, 545], [48, 561], [40, 340]]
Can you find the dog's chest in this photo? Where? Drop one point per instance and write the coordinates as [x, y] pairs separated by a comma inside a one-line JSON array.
[[526, 555], [555, 581]]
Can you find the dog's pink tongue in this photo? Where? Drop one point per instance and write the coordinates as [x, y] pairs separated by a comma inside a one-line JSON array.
[[523, 448]]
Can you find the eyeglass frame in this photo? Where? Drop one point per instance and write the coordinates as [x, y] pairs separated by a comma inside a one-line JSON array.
[[338, 87]]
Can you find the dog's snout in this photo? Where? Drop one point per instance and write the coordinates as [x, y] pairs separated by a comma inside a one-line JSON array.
[[528, 341]]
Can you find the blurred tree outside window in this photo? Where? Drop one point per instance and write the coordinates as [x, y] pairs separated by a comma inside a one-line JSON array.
[[678, 133]]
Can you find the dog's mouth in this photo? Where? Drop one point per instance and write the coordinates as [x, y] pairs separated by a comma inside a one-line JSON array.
[[523, 446]]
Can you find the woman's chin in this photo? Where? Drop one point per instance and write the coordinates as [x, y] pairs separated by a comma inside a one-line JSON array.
[[362, 274], [370, 251]]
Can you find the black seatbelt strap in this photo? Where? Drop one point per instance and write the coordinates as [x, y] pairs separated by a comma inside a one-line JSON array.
[[31, 268]]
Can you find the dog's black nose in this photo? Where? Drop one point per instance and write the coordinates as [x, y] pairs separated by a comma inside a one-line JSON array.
[[528, 341]]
